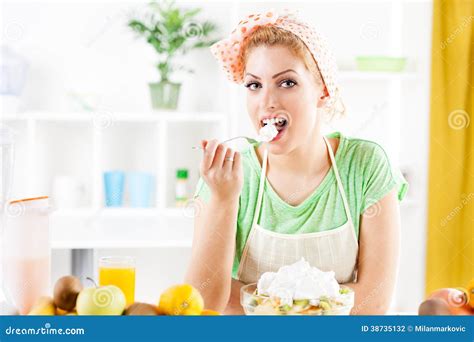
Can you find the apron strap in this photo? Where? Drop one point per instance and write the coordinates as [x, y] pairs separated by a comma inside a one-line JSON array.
[[336, 173], [260, 188], [339, 182]]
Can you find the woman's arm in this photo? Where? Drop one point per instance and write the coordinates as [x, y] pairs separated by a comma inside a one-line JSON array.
[[379, 245], [210, 269]]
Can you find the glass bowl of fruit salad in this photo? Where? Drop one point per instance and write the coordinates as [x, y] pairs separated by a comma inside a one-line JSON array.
[[254, 303]]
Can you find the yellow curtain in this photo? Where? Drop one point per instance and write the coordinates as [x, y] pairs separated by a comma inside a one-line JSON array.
[[450, 250]]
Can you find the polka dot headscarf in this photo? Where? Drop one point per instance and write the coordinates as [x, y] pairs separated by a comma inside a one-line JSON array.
[[229, 52]]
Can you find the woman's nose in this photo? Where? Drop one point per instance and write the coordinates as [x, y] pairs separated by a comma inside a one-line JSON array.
[[269, 100]]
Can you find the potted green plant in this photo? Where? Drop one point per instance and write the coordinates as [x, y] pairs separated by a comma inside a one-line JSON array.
[[171, 31]]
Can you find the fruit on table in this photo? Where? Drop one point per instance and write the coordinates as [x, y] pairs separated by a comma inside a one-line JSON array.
[[103, 300], [470, 291], [181, 300], [259, 304], [434, 306], [141, 309], [265, 308], [44, 306], [456, 300], [209, 312], [61, 312], [66, 291]]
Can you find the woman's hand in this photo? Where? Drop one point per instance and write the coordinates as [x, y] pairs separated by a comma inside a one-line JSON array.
[[233, 306], [224, 177]]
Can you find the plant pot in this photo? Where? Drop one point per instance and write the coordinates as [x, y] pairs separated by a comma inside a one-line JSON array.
[[164, 95]]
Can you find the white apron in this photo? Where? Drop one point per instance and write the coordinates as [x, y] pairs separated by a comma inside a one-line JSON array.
[[331, 250]]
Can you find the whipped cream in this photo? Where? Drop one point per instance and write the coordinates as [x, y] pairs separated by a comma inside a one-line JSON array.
[[267, 133], [298, 281]]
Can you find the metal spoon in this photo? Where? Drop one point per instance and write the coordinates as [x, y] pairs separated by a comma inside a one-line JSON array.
[[251, 141]]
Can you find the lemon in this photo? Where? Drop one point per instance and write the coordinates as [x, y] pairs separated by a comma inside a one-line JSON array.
[[209, 312], [43, 307], [181, 300]]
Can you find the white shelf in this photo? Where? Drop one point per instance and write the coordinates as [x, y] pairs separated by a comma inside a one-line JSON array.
[[378, 76], [121, 228], [85, 145], [157, 116], [122, 212], [129, 243], [138, 240]]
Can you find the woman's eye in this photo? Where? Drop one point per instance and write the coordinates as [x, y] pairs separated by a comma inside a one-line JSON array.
[[252, 85], [288, 83]]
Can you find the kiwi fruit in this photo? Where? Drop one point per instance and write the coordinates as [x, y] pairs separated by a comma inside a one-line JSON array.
[[66, 291], [141, 309], [434, 306]]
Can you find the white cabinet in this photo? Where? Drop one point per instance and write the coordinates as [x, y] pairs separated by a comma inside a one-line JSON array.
[[85, 145]]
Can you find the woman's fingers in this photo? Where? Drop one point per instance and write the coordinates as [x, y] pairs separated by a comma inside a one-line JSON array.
[[221, 150], [224, 177], [215, 156], [208, 154], [228, 163], [237, 164]]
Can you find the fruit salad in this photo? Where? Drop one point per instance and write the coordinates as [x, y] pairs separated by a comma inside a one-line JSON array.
[[297, 289]]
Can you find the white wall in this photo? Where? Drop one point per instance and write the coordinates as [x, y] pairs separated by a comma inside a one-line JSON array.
[[85, 47]]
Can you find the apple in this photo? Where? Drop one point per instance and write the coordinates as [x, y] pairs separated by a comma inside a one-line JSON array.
[[102, 300]]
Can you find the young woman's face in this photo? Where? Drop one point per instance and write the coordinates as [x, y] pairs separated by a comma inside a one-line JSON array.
[[280, 86]]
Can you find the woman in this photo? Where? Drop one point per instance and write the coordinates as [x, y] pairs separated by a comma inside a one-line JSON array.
[[332, 200]]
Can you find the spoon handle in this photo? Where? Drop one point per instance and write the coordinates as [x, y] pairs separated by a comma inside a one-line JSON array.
[[249, 140]]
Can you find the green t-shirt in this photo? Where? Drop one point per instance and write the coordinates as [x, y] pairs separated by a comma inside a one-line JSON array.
[[367, 177]]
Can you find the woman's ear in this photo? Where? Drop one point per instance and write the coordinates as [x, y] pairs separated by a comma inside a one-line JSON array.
[[323, 97]]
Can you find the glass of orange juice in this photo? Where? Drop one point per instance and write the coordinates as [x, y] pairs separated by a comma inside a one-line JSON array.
[[118, 271]]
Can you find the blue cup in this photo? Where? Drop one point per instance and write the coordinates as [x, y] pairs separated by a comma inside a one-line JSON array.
[[140, 189], [114, 184]]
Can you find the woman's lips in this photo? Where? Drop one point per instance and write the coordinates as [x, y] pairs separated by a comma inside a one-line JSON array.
[[281, 128], [281, 132], [278, 115]]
